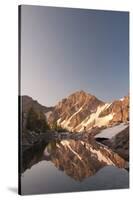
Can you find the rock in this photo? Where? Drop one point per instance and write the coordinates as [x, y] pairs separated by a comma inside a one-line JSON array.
[[79, 105]]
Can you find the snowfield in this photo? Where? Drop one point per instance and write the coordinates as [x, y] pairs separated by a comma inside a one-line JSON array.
[[65, 123], [112, 131], [94, 117]]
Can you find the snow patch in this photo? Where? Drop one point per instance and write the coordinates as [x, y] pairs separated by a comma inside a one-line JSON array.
[[58, 121], [65, 123], [122, 99], [47, 114], [57, 145], [111, 131], [94, 118], [104, 120]]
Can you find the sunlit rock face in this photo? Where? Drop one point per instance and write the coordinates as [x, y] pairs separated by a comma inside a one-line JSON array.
[[79, 159], [120, 110], [78, 111], [71, 111], [81, 110]]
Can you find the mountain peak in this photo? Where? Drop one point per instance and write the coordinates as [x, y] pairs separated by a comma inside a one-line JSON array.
[[80, 94], [75, 107], [82, 97]]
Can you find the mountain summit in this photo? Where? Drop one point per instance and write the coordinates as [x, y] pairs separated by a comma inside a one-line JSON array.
[[71, 111], [81, 111]]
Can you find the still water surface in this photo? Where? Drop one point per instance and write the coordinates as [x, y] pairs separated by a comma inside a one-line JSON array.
[[69, 166]]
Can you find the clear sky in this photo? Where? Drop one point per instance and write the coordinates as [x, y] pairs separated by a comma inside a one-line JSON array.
[[64, 50]]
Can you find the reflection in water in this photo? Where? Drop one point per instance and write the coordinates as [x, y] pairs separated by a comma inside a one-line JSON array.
[[32, 155], [82, 166], [80, 160]]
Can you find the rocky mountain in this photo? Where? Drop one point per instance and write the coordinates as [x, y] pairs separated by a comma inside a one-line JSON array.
[[81, 111], [28, 102], [71, 111], [28, 105], [119, 110]]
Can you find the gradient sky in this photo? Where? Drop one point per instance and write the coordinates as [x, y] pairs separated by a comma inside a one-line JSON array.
[[64, 50]]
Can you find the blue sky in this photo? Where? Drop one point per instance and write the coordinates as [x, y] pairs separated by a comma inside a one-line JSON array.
[[64, 50]]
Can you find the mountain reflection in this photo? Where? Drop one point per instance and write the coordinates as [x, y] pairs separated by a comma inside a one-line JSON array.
[[78, 159]]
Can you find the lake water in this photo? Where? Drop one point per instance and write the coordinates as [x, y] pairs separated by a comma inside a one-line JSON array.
[[68, 166]]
